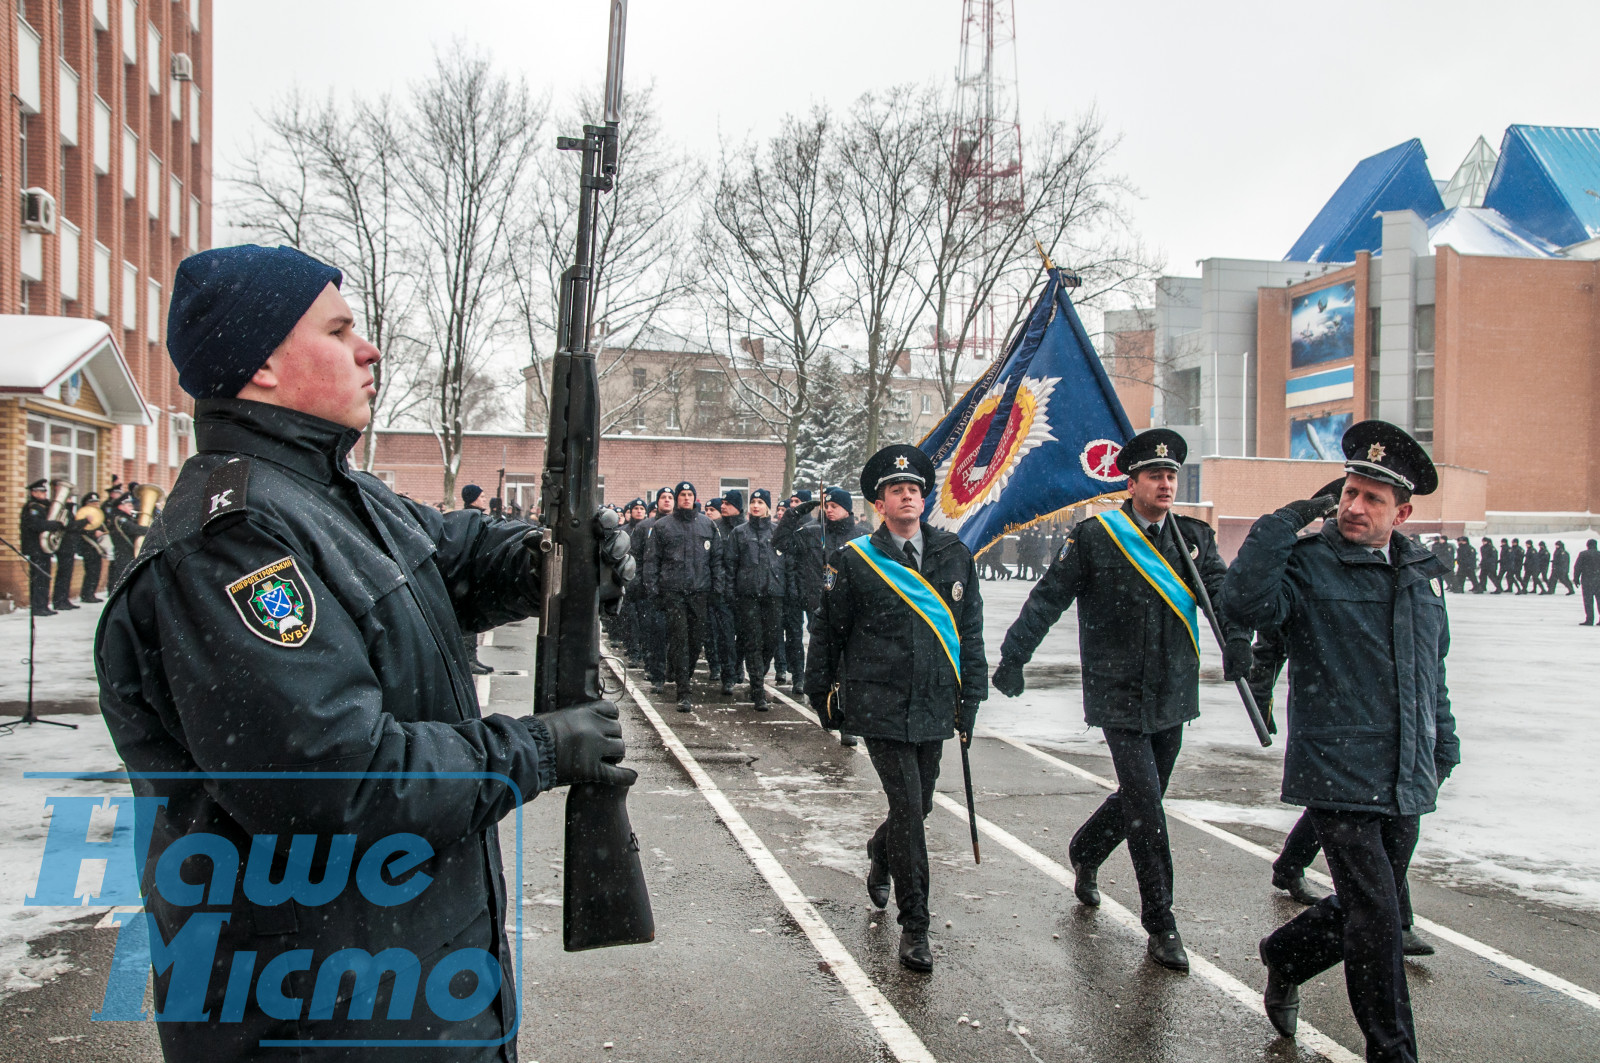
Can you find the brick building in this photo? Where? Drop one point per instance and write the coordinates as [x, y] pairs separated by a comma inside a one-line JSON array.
[[105, 160], [630, 466]]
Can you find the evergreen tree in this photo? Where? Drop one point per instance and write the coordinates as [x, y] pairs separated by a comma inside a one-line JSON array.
[[830, 447]]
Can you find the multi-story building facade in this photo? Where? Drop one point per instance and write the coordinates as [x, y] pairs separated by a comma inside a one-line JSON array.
[[105, 173]]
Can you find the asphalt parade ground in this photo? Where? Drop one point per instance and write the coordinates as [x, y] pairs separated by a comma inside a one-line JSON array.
[[752, 830]]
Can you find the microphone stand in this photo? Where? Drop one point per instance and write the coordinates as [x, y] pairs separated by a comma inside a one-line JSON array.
[[28, 716]]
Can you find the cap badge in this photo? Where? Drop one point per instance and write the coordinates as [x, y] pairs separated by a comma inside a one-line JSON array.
[[1161, 450], [901, 462], [956, 591], [1376, 452]]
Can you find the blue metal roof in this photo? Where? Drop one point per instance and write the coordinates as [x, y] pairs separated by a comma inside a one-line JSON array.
[[1544, 179], [1397, 179]]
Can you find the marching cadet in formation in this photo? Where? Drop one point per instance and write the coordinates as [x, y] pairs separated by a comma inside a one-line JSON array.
[[897, 658], [1360, 608], [755, 580], [1139, 639], [682, 570], [653, 640]]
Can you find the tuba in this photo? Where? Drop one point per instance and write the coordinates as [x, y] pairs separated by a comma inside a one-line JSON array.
[[60, 493], [93, 516], [148, 496]]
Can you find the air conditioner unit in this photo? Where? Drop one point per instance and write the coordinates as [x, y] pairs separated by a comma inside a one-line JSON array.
[[38, 211], [182, 67]]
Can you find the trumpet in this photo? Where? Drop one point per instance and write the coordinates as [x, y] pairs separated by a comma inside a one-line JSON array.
[[149, 496], [60, 495]]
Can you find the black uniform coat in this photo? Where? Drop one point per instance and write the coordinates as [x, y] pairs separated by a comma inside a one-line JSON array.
[[894, 678], [1369, 711], [810, 543], [1586, 567], [754, 567], [683, 555], [31, 525], [190, 682], [1140, 671]]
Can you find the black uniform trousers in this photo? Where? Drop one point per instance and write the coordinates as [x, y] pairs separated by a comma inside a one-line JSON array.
[[92, 560], [1133, 813], [1301, 847], [38, 581], [62, 598], [1591, 598], [760, 635], [653, 639], [722, 649], [1368, 854], [909, 772], [794, 637], [685, 616]]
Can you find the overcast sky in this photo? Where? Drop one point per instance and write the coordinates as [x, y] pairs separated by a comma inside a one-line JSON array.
[[1238, 119]]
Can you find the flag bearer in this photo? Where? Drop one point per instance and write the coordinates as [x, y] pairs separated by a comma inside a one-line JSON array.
[[1138, 634]]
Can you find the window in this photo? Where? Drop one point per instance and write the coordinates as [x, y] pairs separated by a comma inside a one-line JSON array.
[[386, 475], [524, 492], [152, 313], [740, 484], [708, 387], [672, 418], [1422, 400], [639, 378], [927, 403], [1424, 325], [1374, 323], [638, 417], [152, 188], [61, 450], [1183, 397], [1189, 483]]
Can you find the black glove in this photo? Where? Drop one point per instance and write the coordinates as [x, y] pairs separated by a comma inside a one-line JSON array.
[[805, 507], [1008, 677], [1310, 509], [968, 718], [588, 741], [1442, 768], [1237, 659]]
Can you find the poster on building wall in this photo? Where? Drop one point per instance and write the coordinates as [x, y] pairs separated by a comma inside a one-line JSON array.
[[1322, 325], [1317, 438]]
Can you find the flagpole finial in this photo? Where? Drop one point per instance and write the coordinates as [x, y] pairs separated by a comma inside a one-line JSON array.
[[1047, 263]]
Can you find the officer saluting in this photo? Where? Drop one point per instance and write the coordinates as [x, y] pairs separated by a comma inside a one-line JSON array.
[[1361, 611], [897, 658], [1138, 636]]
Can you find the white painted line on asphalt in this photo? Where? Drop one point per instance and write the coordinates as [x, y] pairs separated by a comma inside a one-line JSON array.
[[1455, 937], [1307, 1036], [482, 683], [901, 1041], [487, 638]]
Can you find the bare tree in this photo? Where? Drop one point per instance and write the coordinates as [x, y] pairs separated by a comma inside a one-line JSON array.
[[645, 261], [771, 239], [326, 180], [883, 151], [467, 145]]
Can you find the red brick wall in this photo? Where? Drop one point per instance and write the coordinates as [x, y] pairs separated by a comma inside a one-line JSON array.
[[632, 466]]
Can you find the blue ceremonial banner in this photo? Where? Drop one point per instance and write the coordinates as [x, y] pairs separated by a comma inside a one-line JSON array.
[[1038, 433]]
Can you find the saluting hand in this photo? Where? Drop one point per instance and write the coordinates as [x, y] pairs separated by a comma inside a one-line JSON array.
[[1310, 509]]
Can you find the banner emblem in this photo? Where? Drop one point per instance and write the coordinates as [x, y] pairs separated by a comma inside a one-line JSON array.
[[275, 603], [1099, 460]]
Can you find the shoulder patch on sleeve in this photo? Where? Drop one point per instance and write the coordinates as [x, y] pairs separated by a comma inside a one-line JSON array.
[[830, 575], [227, 489], [1064, 548], [275, 602]]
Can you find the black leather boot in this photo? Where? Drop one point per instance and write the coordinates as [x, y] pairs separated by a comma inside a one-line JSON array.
[[915, 954]]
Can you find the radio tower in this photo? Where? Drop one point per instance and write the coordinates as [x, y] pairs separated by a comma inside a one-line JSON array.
[[988, 133]]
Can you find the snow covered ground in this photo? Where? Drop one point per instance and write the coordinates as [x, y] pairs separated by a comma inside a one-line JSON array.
[[1524, 680]]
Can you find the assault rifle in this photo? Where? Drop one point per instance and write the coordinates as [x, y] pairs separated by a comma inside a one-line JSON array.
[[605, 901]]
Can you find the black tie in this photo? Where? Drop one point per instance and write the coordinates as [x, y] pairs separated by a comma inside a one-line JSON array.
[[911, 554]]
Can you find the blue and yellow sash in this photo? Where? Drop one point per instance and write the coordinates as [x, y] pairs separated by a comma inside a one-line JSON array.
[[918, 593], [1149, 563]]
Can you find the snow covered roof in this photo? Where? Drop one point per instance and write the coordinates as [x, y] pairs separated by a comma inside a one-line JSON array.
[[38, 354], [1482, 231], [1396, 179], [1544, 181]]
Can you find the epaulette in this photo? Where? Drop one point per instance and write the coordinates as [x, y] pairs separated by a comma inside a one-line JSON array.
[[227, 490]]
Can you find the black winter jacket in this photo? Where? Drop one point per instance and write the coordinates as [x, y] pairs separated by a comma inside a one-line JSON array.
[[1369, 712], [754, 567], [287, 614], [809, 543], [683, 555], [1140, 671], [894, 678], [1586, 567]]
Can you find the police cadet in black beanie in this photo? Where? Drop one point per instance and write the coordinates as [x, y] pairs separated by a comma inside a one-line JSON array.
[[682, 568], [292, 615], [1361, 611]]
